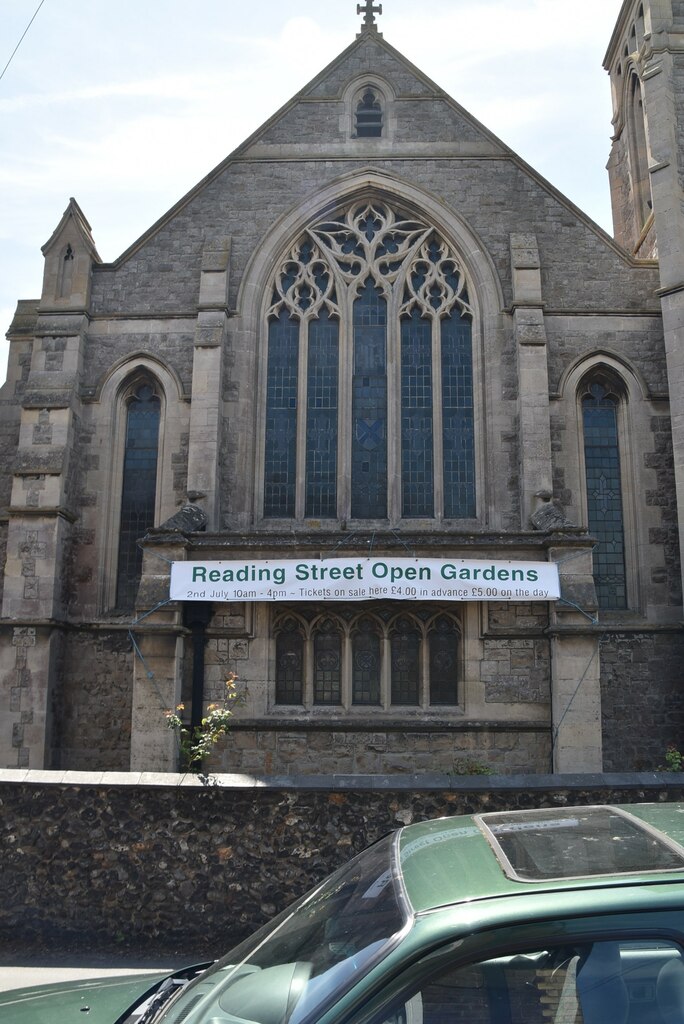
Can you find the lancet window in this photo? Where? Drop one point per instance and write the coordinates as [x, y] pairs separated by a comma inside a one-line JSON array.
[[369, 390], [600, 407], [638, 154], [139, 486]]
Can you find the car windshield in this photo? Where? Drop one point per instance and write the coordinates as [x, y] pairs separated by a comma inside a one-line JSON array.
[[308, 956]]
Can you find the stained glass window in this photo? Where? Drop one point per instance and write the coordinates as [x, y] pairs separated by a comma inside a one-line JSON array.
[[336, 390], [405, 646], [457, 418], [417, 471], [443, 641], [353, 658], [369, 406], [327, 664], [281, 417], [289, 663], [366, 663], [604, 495], [139, 489], [321, 424]]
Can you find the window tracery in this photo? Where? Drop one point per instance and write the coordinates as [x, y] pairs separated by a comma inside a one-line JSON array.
[[353, 657], [359, 294]]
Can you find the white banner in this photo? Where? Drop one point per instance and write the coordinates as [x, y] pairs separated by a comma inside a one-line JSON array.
[[365, 579]]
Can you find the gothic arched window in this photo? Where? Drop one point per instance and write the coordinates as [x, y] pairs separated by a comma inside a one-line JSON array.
[[366, 663], [369, 389], [600, 406], [289, 662], [406, 673], [355, 658], [139, 486], [443, 640], [327, 677]]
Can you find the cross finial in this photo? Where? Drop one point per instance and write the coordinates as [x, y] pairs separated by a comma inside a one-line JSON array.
[[369, 10]]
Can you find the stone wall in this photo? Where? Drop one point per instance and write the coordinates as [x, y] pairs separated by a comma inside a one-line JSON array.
[[382, 746], [92, 706], [175, 864], [642, 699]]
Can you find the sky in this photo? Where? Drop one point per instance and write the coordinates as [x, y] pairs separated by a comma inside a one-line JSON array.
[[126, 104]]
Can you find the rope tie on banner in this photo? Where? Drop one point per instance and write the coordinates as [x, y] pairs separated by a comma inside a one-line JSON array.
[[149, 551], [148, 671], [139, 654], [568, 706], [592, 618], [564, 600], [346, 539], [350, 537], [403, 543], [574, 554]]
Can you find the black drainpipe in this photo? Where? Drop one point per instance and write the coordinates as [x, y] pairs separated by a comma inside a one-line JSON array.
[[197, 615]]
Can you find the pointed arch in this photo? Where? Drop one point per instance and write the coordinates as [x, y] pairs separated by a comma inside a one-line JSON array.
[[290, 636], [600, 395], [366, 660], [337, 441], [376, 656], [141, 404], [607, 403], [138, 398], [369, 108], [444, 651]]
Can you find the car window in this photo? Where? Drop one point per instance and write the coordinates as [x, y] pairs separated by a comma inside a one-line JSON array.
[[629, 982], [308, 956]]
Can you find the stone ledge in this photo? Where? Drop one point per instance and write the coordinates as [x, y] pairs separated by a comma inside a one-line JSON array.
[[498, 783]]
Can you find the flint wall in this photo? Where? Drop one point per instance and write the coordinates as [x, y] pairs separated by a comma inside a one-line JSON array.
[[171, 863]]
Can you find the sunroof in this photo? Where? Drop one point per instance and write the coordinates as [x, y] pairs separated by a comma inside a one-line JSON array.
[[541, 845]]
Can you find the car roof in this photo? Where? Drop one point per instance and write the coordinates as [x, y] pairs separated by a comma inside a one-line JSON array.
[[462, 859]]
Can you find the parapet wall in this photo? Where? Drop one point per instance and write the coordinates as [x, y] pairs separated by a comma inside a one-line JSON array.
[[175, 864]]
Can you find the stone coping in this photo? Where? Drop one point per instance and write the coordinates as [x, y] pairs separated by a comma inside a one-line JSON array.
[[497, 783]]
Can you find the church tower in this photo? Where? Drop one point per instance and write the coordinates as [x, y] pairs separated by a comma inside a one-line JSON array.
[[645, 61]]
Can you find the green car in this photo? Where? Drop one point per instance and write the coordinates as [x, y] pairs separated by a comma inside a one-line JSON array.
[[567, 916]]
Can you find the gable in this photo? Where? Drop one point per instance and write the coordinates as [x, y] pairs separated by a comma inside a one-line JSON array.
[[417, 111]]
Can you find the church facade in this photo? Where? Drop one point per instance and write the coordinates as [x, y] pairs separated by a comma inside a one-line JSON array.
[[373, 332]]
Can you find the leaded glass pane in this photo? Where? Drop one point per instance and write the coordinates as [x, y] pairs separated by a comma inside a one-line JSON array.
[[327, 664], [443, 643], [405, 652], [321, 421], [289, 664], [417, 462], [139, 489], [366, 664], [457, 418], [604, 496], [281, 417], [369, 405]]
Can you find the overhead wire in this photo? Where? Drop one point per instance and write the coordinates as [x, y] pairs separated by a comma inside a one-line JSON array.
[[11, 58]]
